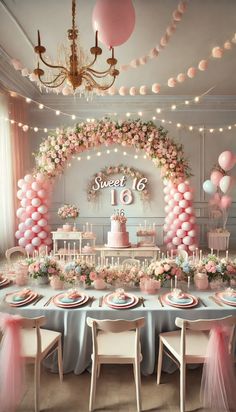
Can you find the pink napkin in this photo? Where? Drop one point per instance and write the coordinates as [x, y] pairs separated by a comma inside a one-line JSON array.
[[73, 295], [23, 294]]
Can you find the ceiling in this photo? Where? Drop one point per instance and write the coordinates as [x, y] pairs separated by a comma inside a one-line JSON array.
[[206, 23]]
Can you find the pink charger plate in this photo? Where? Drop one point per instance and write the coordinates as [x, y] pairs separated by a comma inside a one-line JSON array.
[[177, 305], [26, 301], [5, 282], [57, 302], [134, 302], [218, 295]]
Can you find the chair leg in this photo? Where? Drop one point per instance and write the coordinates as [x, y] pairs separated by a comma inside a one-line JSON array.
[[60, 362], [159, 365], [93, 386], [138, 385], [36, 385], [182, 386], [98, 369]]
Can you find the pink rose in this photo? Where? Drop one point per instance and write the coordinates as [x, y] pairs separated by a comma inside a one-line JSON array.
[[159, 270], [166, 267], [83, 278], [93, 276]]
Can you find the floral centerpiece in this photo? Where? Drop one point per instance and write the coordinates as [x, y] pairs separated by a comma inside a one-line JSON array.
[[80, 270], [114, 276], [43, 268], [163, 270], [187, 268], [216, 269], [68, 211]]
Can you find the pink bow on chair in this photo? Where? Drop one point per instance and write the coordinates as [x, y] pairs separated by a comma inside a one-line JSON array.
[[218, 386], [11, 363]]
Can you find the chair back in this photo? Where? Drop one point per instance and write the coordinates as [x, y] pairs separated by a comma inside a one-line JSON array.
[[183, 254], [15, 249], [115, 326], [206, 325], [131, 262]]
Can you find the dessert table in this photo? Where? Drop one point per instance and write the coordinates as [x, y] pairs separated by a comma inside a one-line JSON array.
[[77, 341], [132, 252]]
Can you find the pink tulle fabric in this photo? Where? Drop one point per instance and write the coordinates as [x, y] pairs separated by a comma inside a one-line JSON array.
[[218, 386], [11, 361]]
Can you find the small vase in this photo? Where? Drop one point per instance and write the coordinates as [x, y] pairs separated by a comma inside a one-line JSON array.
[[99, 284], [56, 283], [201, 281], [150, 286], [21, 279], [42, 280]]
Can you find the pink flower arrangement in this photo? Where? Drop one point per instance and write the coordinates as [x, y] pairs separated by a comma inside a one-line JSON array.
[[68, 212], [163, 270], [44, 267], [55, 151]]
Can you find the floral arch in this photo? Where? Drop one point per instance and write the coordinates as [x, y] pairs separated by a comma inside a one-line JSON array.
[[57, 149]]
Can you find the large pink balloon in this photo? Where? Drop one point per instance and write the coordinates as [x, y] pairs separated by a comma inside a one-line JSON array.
[[192, 233], [22, 242], [20, 194], [20, 183], [20, 211], [181, 233], [42, 222], [187, 240], [188, 195], [28, 234], [28, 178], [42, 234], [36, 241], [184, 217], [226, 202], [36, 202], [183, 203], [186, 226], [178, 196], [42, 193], [215, 177], [42, 209], [30, 194], [36, 216], [22, 227], [177, 210], [176, 241], [29, 222], [29, 249], [35, 186], [36, 228], [48, 241], [30, 209], [114, 21], [18, 234], [227, 160], [225, 183], [182, 187]]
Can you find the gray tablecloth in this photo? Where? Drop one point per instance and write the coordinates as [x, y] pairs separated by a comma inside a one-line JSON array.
[[77, 341]]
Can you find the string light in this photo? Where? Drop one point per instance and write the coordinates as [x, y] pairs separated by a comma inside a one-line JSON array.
[[79, 158], [158, 110], [98, 153], [190, 128], [153, 117], [73, 117], [28, 100], [178, 125], [58, 112], [173, 107], [128, 114], [45, 130], [115, 150], [88, 157], [196, 99], [124, 153], [140, 114], [108, 151], [136, 156], [41, 106], [186, 102], [211, 130]]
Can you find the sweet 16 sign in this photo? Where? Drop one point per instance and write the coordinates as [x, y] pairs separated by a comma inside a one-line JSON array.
[[126, 194]]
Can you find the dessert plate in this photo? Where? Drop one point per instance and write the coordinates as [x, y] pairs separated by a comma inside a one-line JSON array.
[[132, 301], [11, 298], [166, 300], [178, 301], [63, 302], [227, 299], [4, 282]]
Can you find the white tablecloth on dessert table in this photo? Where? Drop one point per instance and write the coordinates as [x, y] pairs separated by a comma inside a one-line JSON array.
[[77, 341]]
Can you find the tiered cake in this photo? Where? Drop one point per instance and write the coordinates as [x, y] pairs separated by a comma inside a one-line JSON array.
[[118, 236]]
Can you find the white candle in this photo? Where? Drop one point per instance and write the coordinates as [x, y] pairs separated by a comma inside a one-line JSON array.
[[83, 228], [193, 257], [196, 254], [200, 255], [218, 253], [112, 261], [118, 261], [98, 261], [163, 256], [145, 224], [87, 227], [226, 254], [91, 228], [167, 254], [176, 281], [64, 250], [159, 255], [171, 284], [211, 251], [74, 250], [171, 254], [188, 282], [106, 261]]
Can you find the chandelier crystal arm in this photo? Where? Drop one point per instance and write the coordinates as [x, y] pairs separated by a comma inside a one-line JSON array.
[[75, 72]]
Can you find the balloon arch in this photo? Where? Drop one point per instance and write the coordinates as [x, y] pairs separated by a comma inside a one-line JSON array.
[[57, 149]]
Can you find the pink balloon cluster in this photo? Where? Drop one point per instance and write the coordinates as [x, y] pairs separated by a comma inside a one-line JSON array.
[[180, 222], [33, 229], [221, 182]]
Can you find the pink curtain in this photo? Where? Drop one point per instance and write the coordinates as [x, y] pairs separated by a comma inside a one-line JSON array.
[[18, 111]]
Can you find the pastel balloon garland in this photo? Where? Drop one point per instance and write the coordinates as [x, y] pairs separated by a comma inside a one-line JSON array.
[[219, 186], [56, 150]]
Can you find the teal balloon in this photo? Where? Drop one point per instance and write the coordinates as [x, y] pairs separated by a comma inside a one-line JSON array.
[[209, 187]]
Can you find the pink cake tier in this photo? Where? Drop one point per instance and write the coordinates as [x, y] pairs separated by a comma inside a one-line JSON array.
[[118, 236]]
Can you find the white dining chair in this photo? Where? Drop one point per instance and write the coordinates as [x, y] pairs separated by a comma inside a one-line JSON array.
[[15, 249], [116, 342], [189, 345], [36, 345]]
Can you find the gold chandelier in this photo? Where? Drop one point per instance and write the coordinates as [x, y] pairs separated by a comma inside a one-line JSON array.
[[75, 72]]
